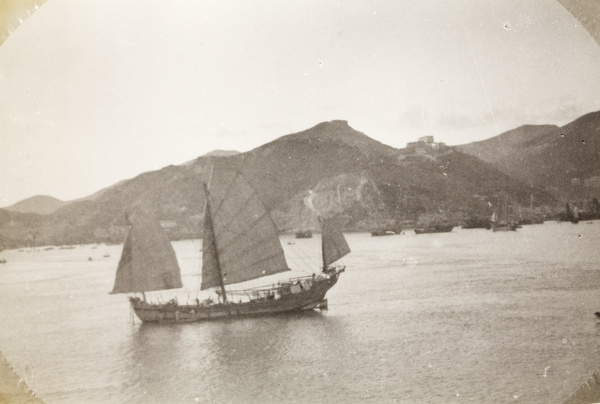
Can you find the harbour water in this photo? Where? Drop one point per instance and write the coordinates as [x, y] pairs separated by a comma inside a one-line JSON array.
[[469, 316]]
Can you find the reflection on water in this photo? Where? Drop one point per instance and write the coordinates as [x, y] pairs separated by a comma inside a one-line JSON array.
[[469, 316], [262, 358]]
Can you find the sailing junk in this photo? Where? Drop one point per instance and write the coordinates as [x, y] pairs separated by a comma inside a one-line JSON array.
[[503, 223], [240, 243]]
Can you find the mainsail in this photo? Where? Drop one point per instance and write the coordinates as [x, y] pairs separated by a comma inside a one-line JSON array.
[[148, 261], [334, 243], [240, 240]]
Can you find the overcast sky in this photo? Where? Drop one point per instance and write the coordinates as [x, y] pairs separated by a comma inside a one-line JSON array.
[[94, 92]]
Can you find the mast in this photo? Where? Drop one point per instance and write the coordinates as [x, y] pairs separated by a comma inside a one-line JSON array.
[[323, 245], [208, 222]]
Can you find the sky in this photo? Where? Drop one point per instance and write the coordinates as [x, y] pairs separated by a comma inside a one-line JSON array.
[[95, 92]]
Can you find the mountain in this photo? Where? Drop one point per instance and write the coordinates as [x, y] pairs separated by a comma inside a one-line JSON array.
[[40, 204], [563, 160], [330, 168], [221, 153], [403, 182]]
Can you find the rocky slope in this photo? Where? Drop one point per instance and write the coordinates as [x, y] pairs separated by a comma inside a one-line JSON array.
[[561, 160], [330, 169]]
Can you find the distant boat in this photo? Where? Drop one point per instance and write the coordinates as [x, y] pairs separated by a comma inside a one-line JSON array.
[[575, 216], [240, 243], [504, 226], [532, 220], [387, 228], [587, 209], [572, 215], [503, 223], [434, 228], [382, 232]]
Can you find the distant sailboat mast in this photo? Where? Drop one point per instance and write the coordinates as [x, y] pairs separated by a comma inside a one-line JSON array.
[[208, 225]]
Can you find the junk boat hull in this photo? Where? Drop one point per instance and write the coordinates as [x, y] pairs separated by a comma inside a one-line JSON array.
[[504, 227], [434, 229], [306, 294], [240, 243]]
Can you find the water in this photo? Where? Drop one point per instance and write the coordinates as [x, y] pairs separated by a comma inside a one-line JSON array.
[[469, 316]]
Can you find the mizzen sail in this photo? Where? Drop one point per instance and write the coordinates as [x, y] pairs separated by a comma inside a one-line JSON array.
[[148, 261], [240, 240], [334, 243]]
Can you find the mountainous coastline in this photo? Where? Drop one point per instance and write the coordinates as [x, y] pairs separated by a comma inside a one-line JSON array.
[[335, 170], [564, 160], [40, 204]]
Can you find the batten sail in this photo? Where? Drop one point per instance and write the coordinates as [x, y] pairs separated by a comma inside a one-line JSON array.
[[240, 239], [148, 261], [334, 243]]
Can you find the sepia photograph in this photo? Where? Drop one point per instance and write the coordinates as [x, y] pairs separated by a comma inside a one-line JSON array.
[[312, 201]]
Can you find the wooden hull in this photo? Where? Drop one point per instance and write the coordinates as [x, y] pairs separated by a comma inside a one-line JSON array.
[[434, 229], [289, 299], [379, 233], [504, 228]]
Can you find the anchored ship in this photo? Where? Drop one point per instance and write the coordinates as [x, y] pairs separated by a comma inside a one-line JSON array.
[[240, 243]]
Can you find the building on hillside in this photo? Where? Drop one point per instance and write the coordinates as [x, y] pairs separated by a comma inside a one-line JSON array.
[[168, 224], [425, 145]]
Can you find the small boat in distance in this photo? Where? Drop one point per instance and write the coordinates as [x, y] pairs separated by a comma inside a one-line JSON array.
[[503, 225], [240, 243], [574, 215], [434, 228], [382, 232], [383, 225]]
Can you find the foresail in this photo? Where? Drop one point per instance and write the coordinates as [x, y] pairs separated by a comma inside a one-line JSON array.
[[334, 243], [148, 261], [240, 239]]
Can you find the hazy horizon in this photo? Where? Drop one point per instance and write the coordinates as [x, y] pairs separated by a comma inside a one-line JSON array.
[[98, 92]]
